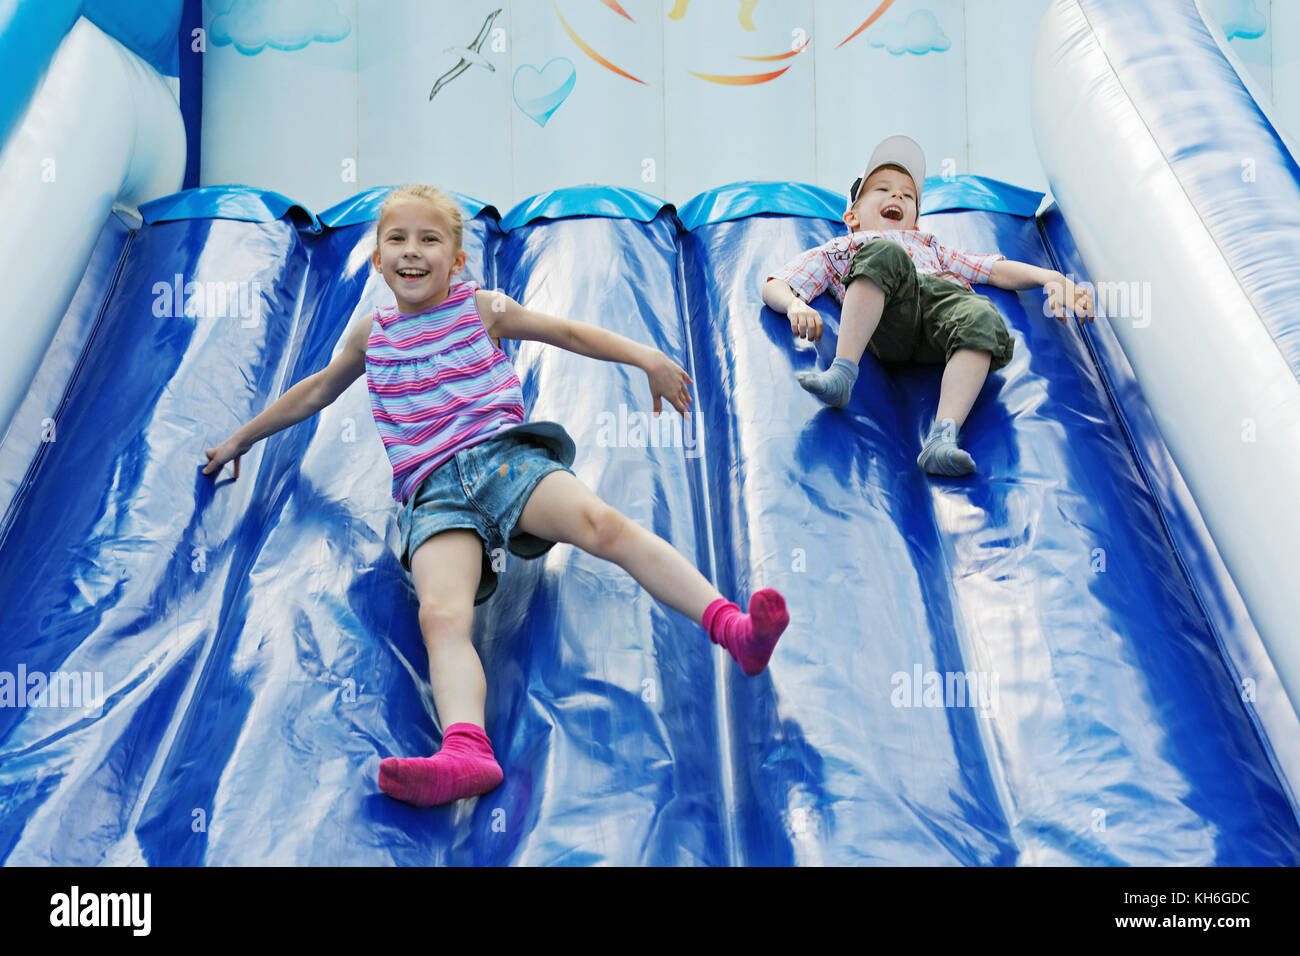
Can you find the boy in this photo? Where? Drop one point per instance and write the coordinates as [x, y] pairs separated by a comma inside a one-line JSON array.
[[908, 298]]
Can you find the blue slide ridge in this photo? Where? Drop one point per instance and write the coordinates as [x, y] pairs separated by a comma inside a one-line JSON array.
[[260, 652]]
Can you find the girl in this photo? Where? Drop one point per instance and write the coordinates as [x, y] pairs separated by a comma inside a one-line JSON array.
[[472, 476]]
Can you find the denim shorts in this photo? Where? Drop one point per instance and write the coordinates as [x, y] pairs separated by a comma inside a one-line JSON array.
[[484, 488], [926, 319]]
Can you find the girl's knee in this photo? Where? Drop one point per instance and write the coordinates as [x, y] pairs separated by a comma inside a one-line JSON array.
[[442, 619], [604, 529]]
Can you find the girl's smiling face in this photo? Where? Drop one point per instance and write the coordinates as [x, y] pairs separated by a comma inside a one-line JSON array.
[[417, 254]]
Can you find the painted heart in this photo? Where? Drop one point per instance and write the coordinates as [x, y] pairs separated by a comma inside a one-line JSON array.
[[539, 93]]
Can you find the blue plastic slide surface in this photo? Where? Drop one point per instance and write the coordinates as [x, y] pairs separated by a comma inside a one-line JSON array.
[[1012, 669]]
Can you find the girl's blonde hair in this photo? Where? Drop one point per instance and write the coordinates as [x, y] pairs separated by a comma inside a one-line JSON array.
[[435, 197]]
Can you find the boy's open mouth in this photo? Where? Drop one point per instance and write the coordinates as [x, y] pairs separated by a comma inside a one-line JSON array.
[[892, 212]]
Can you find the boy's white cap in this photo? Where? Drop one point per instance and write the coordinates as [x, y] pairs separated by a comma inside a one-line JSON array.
[[895, 151]]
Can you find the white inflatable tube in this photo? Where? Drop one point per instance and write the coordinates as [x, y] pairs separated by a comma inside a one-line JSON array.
[[103, 127], [1223, 395]]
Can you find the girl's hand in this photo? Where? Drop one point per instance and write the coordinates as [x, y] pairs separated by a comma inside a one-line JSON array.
[[668, 380], [229, 449], [805, 321], [1063, 297]]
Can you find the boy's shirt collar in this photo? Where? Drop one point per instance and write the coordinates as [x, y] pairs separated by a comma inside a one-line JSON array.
[[877, 232]]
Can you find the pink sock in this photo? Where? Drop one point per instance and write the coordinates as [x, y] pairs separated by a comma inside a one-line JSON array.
[[749, 638], [464, 767]]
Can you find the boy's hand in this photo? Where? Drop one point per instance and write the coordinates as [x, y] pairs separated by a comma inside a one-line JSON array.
[[805, 321], [1063, 297], [668, 380], [229, 449]]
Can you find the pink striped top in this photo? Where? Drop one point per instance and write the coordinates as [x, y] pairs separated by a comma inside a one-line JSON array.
[[437, 384]]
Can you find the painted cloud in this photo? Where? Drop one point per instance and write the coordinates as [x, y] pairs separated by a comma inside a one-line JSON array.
[[253, 25], [919, 33]]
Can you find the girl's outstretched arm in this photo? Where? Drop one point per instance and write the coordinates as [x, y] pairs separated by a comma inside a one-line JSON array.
[[504, 318], [304, 400]]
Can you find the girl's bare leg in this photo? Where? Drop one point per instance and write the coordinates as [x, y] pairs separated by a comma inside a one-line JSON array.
[[445, 570], [561, 508]]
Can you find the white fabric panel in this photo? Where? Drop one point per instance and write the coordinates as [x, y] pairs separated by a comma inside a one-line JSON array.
[[102, 128], [1211, 385]]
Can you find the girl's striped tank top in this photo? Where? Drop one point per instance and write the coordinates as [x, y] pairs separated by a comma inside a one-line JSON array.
[[437, 384]]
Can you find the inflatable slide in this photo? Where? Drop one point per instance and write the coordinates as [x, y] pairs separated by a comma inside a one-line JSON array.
[[1084, 656]]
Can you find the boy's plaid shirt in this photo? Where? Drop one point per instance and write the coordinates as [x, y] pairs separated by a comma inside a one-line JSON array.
[[823, 267]]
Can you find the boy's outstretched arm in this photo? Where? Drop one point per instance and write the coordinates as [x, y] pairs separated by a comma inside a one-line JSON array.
[[805, 321], [1063, 296], [505, 318], [304, 400]]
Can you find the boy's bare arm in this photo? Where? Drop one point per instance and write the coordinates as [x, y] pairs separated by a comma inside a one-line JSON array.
[[302, 401], [805, 321], [1009, 274], [1063, 296], [778, 296]]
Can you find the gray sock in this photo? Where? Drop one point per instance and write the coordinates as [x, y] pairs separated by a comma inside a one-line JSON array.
[[834, 385], [941, 454]]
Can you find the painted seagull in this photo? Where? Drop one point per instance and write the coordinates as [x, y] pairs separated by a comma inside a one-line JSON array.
[[469, 56]]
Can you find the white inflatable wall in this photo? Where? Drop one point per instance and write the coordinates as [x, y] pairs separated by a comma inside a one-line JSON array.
[[103, 128], [1226, 401]]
